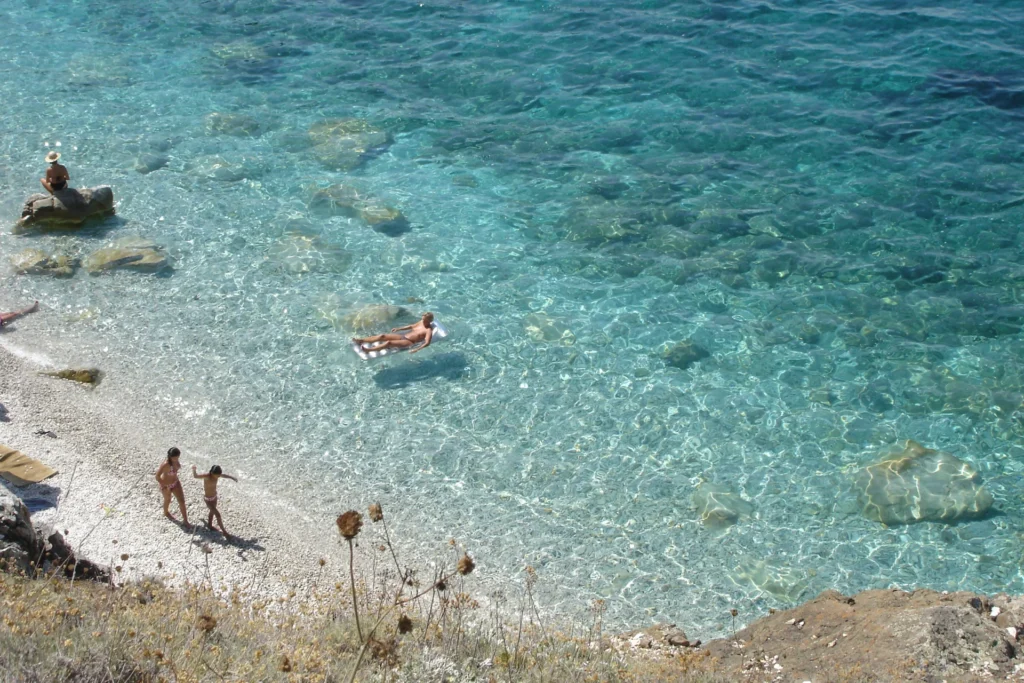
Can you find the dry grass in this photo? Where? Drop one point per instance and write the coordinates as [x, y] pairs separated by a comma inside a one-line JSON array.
[[55, 630]]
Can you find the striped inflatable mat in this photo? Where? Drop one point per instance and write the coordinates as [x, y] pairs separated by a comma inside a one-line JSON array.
[[366, 351]]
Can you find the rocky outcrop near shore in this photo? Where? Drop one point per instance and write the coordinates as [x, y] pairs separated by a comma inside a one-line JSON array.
[[26, 548], [65, 208], [129, 253], [38, 262], [880, 635]]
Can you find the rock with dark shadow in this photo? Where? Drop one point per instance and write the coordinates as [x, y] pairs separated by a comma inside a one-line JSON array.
[[26, 548], [19, 545], [68, 208], [918, 484], [128, 254]]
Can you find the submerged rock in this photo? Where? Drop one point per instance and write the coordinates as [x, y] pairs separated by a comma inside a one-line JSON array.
[[301, 252], [130, 253], [66, 208], [719, 506], [38, 262], [343, 144], [684, 354], [347, 200], [147, 163], [918, 484], [238, 125], [541, 327], [366, 318], [90, 376]]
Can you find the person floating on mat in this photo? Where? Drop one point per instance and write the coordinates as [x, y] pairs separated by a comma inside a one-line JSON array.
[[8, 317], [56, 176], [167, 477], [399, 339], [210, 494]]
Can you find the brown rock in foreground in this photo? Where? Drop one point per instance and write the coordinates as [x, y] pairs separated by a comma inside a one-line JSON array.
[[67, 208], [880, 635]]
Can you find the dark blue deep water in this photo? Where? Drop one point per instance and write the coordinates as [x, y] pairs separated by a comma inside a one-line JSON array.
[[825, 196]]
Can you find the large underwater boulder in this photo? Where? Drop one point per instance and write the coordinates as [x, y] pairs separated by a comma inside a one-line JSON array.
[[918, 484], [65, 208], [130, 254], [347, 200], [343, 144], [719, 506], [371, 317], [38, 262]]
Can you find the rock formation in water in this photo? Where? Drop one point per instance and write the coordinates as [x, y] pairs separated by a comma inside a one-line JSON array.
[[918, 484], [719, 506], [344, 144], [66, 208], [38, 262], [129, 253], [347, 200]]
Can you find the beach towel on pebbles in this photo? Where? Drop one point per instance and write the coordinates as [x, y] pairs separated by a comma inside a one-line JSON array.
[[21, 470]]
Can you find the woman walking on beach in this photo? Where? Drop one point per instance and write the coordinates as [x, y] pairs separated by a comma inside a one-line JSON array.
[[210, 491], [167, 477]]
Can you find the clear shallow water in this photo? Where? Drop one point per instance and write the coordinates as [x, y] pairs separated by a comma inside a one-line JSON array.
[[823, 195]]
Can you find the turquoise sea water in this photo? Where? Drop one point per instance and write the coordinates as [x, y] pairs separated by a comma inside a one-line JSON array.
[[826, 196]]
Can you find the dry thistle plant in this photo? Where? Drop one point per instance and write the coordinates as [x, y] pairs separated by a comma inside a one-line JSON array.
[[385, 650], [349, 525]]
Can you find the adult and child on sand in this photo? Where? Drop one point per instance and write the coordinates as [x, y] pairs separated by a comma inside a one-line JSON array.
[[170, 485]]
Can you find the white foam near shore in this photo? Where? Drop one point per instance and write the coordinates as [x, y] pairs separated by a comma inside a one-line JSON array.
[[106, 500]]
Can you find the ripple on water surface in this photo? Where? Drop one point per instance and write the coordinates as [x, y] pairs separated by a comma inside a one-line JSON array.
[[700, 261]]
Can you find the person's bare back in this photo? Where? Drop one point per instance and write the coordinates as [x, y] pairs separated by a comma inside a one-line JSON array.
[[56, 175]]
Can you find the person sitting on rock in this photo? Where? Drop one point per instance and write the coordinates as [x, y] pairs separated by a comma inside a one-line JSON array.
[[399, 339], [56, 176], [8, 317]]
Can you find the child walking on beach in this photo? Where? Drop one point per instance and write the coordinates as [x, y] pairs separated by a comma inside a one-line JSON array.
[[167, 477], [210, 494]]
